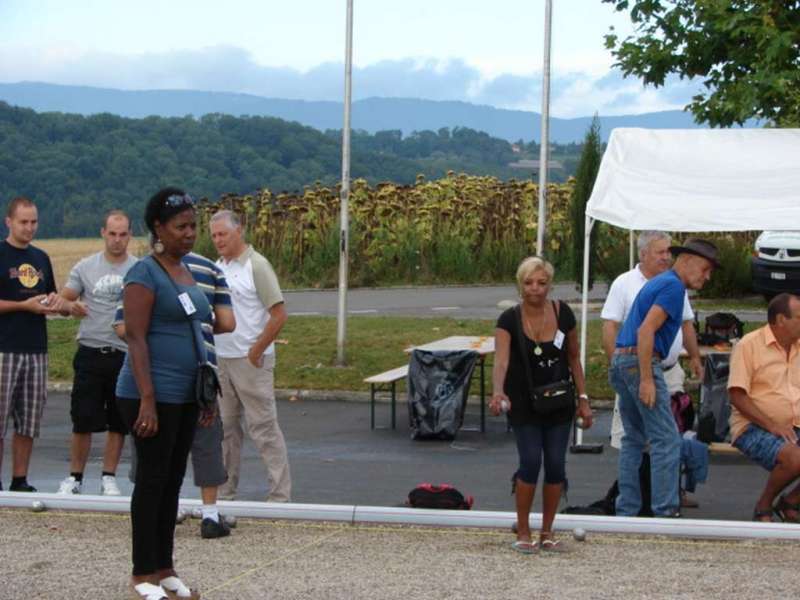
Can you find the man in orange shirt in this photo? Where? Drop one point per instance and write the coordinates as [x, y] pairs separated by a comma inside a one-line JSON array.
[[764, 388]]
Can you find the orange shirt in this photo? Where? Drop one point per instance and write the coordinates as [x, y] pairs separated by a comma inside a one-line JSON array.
[[760, 367]]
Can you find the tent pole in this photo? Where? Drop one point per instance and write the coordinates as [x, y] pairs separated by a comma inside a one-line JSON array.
[[587, 229], [630, 249], [577, 433]]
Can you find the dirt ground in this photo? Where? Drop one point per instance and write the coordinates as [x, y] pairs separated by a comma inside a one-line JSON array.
[[55, 556], [65, 252]]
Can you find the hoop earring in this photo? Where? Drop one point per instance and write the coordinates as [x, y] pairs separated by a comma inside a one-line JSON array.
[[158, 247]]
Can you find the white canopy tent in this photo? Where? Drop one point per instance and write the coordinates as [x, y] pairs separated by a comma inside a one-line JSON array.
[[694, 180]]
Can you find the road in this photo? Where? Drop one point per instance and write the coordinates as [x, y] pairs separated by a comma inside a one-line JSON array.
[[456, 301], [467, 302]]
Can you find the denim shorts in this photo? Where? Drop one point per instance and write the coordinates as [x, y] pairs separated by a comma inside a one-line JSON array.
[[760, 445]]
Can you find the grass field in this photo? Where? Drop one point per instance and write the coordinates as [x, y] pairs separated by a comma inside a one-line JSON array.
[[307, 350], [65, 252], [306, 357]]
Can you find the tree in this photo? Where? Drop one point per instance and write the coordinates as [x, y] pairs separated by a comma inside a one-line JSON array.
[[584, 182], [747, 53]]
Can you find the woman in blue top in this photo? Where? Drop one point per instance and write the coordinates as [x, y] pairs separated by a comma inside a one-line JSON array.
[[155, 388]]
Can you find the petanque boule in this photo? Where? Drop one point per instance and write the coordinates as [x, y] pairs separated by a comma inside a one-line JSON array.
[[38, 506], [197, 513], [230, 521], [182, 516], [579, 533]]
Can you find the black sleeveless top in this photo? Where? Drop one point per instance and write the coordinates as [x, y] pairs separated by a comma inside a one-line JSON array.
[[549, 366]]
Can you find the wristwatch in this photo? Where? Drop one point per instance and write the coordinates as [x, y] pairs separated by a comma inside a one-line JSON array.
[[584, 397]]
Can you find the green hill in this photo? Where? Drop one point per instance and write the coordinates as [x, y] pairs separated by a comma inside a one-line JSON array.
[[77, 167]]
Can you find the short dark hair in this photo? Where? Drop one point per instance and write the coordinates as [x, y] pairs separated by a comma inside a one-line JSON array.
[[116, 212], [779, 305], [16, 203], [159, 209]]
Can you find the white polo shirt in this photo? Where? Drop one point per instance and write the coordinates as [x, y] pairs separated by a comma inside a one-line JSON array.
[[623, 292], [254, 290]]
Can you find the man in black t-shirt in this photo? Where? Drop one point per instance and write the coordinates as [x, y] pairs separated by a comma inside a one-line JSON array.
[[27, 296]]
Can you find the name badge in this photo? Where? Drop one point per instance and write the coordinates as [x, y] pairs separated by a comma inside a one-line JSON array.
[[188, 306], [558, 341]]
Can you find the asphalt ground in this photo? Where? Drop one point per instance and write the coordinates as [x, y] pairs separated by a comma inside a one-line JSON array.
[[336, 459], [54, 556], [461, 302]]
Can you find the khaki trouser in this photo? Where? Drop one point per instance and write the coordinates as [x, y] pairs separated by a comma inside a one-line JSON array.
[[250, 390]]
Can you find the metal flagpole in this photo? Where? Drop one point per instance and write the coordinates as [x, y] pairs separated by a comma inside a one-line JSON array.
[[341, 323], [545, 138]]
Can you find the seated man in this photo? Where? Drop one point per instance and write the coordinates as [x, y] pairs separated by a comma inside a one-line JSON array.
[[764, 388]]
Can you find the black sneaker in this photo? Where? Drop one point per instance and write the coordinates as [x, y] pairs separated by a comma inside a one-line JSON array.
[[22, 487], [210, 529]]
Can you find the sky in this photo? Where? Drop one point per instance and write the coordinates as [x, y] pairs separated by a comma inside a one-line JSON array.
[[484, 52]]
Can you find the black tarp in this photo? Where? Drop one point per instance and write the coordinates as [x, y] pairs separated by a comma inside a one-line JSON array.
[[438, 387]]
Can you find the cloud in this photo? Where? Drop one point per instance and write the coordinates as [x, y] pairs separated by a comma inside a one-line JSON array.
[[233, 69]]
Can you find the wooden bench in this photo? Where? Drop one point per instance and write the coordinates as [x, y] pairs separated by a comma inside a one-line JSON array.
[[722, 448], [378, 383]]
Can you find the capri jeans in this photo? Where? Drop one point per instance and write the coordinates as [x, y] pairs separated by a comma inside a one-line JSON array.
[[537, 441]]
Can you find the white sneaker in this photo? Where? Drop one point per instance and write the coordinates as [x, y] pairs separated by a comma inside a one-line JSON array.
[[108, 486], [69, 486]]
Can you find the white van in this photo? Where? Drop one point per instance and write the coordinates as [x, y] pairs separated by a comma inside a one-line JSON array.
[[776, 263]]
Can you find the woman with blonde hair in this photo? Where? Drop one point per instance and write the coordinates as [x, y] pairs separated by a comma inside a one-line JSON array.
[[537, 378]]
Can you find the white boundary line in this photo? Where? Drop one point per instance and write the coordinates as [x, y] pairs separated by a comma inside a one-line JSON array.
[[353, 514]]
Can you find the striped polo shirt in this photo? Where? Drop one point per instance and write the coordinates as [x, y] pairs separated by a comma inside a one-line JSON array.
[[211, 280]]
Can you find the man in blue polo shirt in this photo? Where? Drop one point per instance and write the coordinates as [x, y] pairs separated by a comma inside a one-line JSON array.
[[644, 402]]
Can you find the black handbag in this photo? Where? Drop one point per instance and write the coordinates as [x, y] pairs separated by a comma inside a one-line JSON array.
[[548, 398], [206, 383]]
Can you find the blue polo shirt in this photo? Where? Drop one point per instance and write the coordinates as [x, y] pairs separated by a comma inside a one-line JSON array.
[[667, 291]]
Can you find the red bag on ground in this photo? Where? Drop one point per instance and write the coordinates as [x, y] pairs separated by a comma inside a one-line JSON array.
[[428, 495]]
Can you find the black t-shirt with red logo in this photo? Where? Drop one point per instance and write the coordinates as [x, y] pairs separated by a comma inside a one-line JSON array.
[[24, 272]]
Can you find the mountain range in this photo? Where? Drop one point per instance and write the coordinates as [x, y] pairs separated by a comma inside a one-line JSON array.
[[370, 114]]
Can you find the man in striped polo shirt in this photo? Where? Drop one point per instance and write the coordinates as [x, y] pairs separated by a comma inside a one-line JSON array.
[[207, 461]]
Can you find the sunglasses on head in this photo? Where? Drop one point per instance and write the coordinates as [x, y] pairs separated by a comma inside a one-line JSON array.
[[179, 200]]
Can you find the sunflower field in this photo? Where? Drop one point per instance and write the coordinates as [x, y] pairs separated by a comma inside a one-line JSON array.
[[458, 229]]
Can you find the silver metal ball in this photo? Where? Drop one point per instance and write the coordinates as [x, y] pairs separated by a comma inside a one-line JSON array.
[[38, 506], [197, 513], [579, 533], [182, 516], [230, 521]]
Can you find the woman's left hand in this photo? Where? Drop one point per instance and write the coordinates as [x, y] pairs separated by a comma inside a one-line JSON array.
[[584, 411]]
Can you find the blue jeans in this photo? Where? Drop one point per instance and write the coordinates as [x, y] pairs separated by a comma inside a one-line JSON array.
[[643, 425]]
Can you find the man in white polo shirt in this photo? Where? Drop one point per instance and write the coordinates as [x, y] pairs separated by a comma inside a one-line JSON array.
[[247, 358], [654, 259]]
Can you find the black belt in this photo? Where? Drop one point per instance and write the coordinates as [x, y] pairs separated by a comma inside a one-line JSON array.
[[102, 349]]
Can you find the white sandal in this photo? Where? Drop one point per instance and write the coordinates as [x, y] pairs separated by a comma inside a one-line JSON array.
[[176, 589], [148, 591]]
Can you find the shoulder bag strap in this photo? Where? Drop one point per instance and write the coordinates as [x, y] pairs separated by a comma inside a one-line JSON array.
[[188, 319], [521, 342]]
